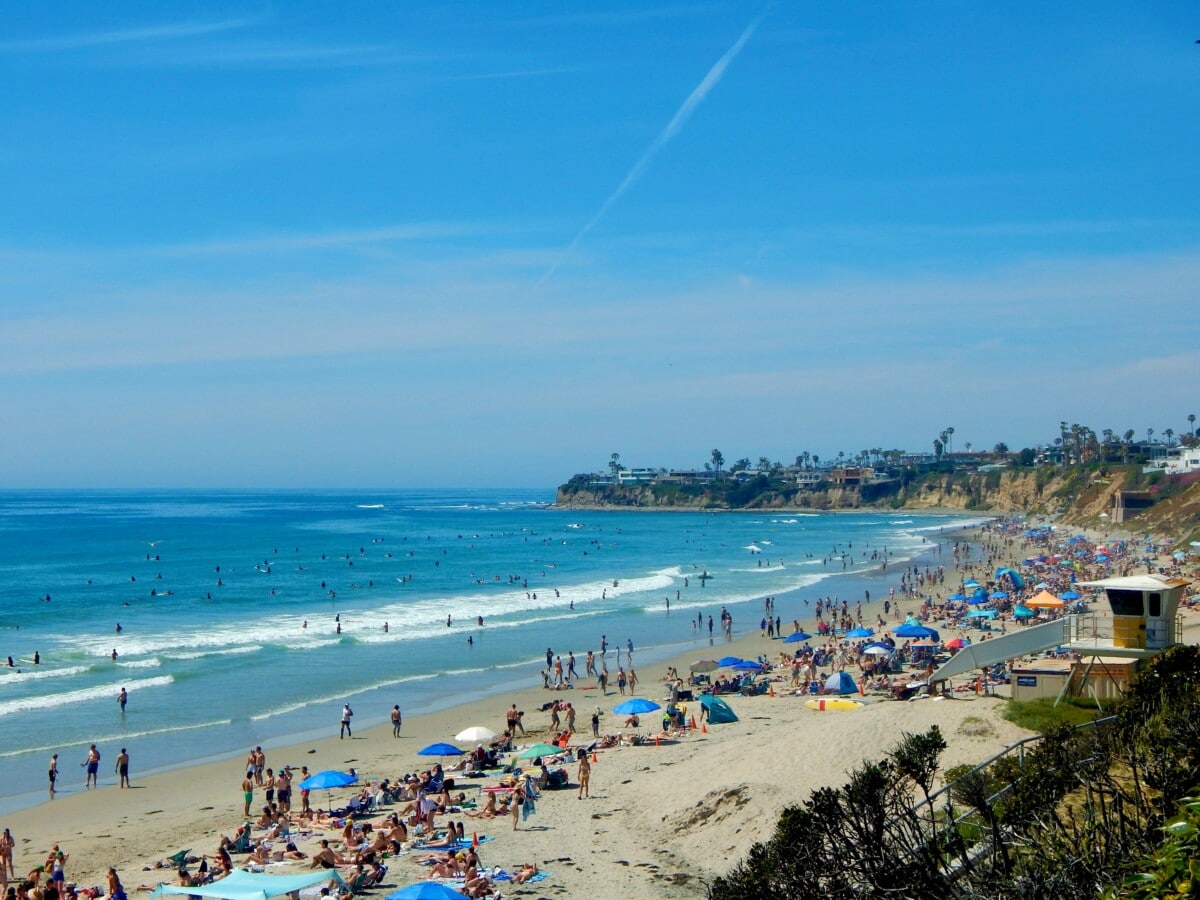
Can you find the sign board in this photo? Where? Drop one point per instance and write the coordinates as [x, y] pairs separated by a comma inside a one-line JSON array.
[[1026, 681]]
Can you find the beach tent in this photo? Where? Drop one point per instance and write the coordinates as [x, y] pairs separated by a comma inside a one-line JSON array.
[[1017, 581], [719, 712], [982, 614], [840, 683], [242, 885], [1023, 612]]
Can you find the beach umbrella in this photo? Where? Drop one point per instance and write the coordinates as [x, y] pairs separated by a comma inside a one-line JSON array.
[[1069, 595], [729, 660], [998, 595], [749, 665], [978, 597], [540, 750], [915, 631], [957, 596], [440, 750], [426, 890], [981, 614], [330, 778], [971, 582], [1023, 612], [859, 632], [1041, 586], [840, 683], [797, 636], [957, 644], [636, 707], [704, 665], [925, 642], [877, 650], [476, 734]]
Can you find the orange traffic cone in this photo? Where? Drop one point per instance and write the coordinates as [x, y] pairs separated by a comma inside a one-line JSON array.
[[770, 690], [703, 728], [595, 758], [657, 740], [474, 838], [693, 725], [979, 685]]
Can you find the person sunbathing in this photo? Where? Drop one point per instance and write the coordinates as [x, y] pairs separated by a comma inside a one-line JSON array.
[[449, 867], [526, 872], [326, 858], [488, 811], [290, 851]]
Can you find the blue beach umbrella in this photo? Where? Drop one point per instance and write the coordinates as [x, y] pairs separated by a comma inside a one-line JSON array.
[[426, 890], [859, 632], [916, 631], [749, 665], [1069, 595], [998, 595], [971, 582], [796, 636], [1023, 612], [330, 778], [440, 750], [957, 596], [635, 707], [978, 597], [729, 660], [981, 614]]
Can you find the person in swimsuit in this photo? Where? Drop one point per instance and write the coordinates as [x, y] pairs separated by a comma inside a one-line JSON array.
[[247, 793], [53, 774], [7, 843], [123, 767], [585, 775], [92, 764]]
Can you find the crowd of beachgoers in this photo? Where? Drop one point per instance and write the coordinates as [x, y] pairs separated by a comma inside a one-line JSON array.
[[437, 822]]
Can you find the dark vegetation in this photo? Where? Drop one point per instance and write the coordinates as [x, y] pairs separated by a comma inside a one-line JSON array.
[[1084, 812]]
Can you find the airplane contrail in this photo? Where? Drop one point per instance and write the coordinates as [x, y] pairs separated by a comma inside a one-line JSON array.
[[694, 99]]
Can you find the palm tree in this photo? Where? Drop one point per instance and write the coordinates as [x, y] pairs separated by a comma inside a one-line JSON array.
[[718, 460], [614, 464], [1170, 433], [1192, 424]]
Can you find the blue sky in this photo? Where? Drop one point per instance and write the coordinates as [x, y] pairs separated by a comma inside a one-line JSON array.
[[490, 244]]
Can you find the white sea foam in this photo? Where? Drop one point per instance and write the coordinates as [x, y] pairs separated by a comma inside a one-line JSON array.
[[152, 663], [108, 691], [227, 651], [117, 738], [38, 674]]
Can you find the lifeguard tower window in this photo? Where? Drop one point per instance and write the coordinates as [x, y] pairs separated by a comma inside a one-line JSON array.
[[1128, 603], [1155, 606]]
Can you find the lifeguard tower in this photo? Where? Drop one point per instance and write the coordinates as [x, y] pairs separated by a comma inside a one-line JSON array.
[[1145, 617], [1142, 621]]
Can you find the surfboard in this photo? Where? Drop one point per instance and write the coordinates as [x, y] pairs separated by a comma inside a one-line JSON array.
[[836, 703]]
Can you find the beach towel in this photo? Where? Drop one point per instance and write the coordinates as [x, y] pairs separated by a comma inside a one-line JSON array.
[[528, 808]]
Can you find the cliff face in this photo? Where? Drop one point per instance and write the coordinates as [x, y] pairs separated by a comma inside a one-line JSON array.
[[1079, 496]]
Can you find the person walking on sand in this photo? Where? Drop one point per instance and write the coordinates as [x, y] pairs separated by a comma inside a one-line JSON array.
[[53, 773], [122, 768], [347, 712], [396, 719], [247, 793], [584, 776], [92, 765]]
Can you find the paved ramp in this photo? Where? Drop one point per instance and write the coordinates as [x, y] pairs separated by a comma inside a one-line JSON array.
[[1022, 642]]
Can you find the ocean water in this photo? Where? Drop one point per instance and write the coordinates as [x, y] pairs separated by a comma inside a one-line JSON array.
[[229, 604]]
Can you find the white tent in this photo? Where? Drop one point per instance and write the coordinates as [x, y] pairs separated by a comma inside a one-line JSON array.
[[242, 885]]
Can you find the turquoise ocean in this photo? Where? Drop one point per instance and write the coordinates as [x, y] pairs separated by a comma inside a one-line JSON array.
[[229, 604]]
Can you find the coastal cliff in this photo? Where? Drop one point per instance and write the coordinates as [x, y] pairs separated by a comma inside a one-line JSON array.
[[1079, 495]]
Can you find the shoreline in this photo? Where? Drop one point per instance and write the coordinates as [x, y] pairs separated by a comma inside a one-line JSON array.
[[191, 804], [661, 820]]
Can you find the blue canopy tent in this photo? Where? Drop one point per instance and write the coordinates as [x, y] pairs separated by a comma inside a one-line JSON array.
[[719, 712], [840, 683], [242, 885], [980, 596], [1017, 581], [1023, 612], [982, 614]]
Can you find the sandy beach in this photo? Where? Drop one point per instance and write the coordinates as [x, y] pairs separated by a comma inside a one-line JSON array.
[[661, 822]]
